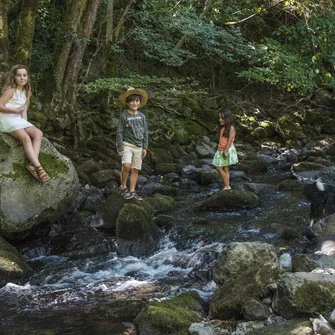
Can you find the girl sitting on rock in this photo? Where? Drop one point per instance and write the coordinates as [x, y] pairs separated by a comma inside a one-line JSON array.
[[226, 153], [13, 118]]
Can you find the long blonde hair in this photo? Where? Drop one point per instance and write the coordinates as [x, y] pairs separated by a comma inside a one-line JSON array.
[[10, 81]]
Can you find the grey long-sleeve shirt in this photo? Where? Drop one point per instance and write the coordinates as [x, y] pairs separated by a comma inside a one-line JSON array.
[[133, 129]]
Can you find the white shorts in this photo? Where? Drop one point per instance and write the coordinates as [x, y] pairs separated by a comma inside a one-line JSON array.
[[132, 155]]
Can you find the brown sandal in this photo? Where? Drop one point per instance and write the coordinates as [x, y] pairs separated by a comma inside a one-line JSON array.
[[42, 175], [31, 168]]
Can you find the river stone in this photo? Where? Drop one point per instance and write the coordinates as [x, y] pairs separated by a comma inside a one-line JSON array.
[[289, 327], [303, 293], [201, 329], [173, 316], [12, 264], [324, 227], [254, 310], [257, 188], [26, 202], [136, 233], [229, 201], [243, 270]]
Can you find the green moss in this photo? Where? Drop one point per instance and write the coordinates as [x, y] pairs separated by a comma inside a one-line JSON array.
[[50, 163], [134, 223], [315, 297], [172, 316], [159, 202]]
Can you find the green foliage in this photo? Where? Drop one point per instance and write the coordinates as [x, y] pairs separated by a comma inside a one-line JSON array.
[[105, 87], [161, 26], [276, 64]]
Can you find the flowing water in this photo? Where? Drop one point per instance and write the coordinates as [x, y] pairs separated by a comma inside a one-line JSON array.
[[63, 294]]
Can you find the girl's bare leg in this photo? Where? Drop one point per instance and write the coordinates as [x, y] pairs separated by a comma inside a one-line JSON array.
[[224, 174], [36, 136], [27, 143], [226, 181]]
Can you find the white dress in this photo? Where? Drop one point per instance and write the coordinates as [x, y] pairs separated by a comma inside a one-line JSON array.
[[10, 122]]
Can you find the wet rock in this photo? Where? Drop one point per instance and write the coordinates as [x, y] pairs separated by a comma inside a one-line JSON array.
[[321, 326], [12, 265], [293, 326], [26, 202], [254, 310], [229, 201], [165, 168], [291, 185], [243, 270], [285, 262], [136, 233], [200, 329], [253, 164], [302, 293], [173, 316], [124, 310], [101, 177], [324, 227], [159, 203], [258, 189]]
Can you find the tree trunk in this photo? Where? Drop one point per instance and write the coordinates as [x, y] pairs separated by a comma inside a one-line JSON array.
[[112, 36], [72, 19], [78, 49], [3, 40], [25, 32]]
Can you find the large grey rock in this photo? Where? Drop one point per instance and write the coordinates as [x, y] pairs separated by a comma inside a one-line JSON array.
[[302, 293], [24, 201]]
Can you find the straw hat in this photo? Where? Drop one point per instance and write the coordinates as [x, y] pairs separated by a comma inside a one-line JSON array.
[[131, 90]]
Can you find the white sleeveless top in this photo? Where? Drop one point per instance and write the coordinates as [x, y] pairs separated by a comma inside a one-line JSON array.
[[10, 122]]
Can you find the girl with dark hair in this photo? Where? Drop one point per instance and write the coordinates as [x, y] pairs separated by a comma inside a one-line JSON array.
[[226, 152]]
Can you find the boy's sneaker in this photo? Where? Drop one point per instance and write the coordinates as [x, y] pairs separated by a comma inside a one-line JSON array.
[[137, 197], [128, 195], [131, 195]]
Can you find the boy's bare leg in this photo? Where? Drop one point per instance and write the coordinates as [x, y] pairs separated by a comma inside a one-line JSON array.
[[124, 175], [133, 180]]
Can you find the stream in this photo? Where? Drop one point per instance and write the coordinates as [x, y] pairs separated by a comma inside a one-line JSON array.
[[63, 295]]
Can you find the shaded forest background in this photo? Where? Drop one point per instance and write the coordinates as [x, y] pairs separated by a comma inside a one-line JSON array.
[[81, 53]]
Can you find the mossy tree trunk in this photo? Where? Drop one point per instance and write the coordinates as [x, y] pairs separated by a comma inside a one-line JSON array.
[[73, 15], [71, 57], [3, 40], [25, 32], [113, 32]]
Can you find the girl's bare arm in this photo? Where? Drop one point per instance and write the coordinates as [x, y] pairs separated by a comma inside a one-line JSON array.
[[4, 99], [231, 138]]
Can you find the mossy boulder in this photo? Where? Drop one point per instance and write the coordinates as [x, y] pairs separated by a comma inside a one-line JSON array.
[[160, 155], [289, 130], [159, 203], [312, 116], [329, 127], [108, 209], [303, 293], [229, 201], [252, 164], [306, 166], [289, 327], [291, 185], [123, 310], [173, 316], [243, 271], [24, 201], [12, 264], [185, 132], [268, 127], [165, 168], [136, 233]]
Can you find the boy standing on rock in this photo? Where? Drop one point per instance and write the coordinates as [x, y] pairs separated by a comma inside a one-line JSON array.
[[132, 139]]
